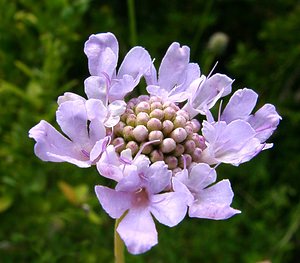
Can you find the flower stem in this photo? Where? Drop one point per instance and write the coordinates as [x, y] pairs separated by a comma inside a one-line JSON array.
[[118, 244], [132, 24]]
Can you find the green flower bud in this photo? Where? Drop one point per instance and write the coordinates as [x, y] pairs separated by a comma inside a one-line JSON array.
[[143, 106], [142, 118], [127, 133], [156, 156], [179, 121], [167, 127], [169, 113], [156, 105], [171, 161], [154, 124], [133, 146], [190, 146], [156, 135], [168, 145], [140, 133], [179, 135], [131, 119], [157, 113]]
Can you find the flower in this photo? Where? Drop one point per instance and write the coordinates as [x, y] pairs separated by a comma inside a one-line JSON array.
[[206, 200], [239, 135], [174, 76], [157, 148], [138, 195], [86, 141], [105, 83], [205, 92], [232, 143]]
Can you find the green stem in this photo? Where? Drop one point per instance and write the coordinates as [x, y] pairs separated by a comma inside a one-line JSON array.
[[132, 24], [118, 244]]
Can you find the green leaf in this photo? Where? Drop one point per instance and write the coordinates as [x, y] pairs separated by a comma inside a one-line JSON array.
[[5, 203]]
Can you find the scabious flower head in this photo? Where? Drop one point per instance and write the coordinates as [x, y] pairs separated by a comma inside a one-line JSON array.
[[160, 148], [149, 118]]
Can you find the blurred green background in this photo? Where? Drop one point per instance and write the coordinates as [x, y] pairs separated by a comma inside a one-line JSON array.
[[48, 211]]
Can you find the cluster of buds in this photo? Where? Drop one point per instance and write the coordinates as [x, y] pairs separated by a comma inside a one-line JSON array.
[[161, 149], [174, 135]]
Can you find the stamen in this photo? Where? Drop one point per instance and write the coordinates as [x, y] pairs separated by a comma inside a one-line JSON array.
[[142, 148], [215, 167], [108, 83], [184, 162], [212, 69], [118, 145], [219, 113], [125, 160]]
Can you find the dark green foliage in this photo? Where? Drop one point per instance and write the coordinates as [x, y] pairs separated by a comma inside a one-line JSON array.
[[48, 211]]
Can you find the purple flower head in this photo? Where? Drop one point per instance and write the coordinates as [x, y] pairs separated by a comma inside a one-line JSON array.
[[105, 82], [174, 76], [138, 195], [206, 200], [159, 156], [85, 141]]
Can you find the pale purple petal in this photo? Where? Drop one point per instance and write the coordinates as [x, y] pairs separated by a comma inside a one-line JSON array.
[[201, 176], [240, 105], [158, 177], [72, 160], [96, 87], [72, 118], [151, 75], [126, 155], [117, 107], [209, 91], [96, 113], [110, 156], [120, 87], [54, 147], [97, 131], [213, 131], [102, 52], [191, 73], [131, 182], [136, 63], [157, 91], [173, 65], [110, 171], [214, 202], [265, 122], [99, 148], [142, 162], [113, 202], [138, 231], [96, 110], [109, 164], [169, 208], [69, 96], [178, 97], [233, 143], [178, 186], [181, 92], [115, 110]]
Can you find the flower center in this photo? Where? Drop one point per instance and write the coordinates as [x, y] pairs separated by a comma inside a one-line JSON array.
[[150, 118], [140, 198]]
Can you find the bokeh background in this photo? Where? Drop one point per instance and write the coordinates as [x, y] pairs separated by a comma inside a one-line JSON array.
[[49, 212]]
